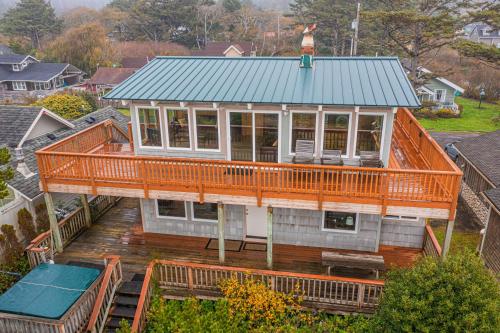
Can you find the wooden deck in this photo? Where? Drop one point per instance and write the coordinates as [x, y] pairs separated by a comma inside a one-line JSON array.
[[119, 232]]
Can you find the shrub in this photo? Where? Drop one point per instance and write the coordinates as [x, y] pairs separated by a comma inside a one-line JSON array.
[[25, 222], [67, 106], [12, 248], [20, 266], [42, 218], [424, 112], [446, 113], [88, 97], [454, 295]]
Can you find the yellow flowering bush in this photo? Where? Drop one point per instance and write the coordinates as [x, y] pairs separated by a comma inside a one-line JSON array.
[[65, 105]]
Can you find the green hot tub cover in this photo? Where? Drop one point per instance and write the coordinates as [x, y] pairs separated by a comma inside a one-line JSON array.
[[48, 291]]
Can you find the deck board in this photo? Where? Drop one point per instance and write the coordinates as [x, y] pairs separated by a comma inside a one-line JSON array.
[[119, 232]]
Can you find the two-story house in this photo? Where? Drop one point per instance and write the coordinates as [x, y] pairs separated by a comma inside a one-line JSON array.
[[24, 73], [311, 151], [483, 33]]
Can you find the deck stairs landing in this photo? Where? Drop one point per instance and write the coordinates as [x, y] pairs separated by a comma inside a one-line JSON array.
[[124, 303]]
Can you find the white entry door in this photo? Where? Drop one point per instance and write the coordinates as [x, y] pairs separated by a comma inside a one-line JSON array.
[[256, 221]]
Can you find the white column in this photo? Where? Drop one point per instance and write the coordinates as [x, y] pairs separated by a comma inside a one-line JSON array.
[[54, 226], [86, 209], [447, 237], [220, 224], [269, 237]]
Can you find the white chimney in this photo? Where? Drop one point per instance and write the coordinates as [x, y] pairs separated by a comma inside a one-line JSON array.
[[22, 167]]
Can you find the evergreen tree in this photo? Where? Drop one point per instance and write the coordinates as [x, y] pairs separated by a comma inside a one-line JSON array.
[[6, 172], [33, 19]]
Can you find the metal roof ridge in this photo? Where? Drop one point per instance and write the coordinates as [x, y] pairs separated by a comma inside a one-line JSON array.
[[278, 58]]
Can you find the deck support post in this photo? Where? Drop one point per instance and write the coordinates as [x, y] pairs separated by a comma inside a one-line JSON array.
[[447, 237], [86, 209], [269, 237], [220, 224], [54, 226]]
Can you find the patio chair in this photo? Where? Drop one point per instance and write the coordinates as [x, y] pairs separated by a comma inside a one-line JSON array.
[[304, 152], [332, 157], [370, 159]]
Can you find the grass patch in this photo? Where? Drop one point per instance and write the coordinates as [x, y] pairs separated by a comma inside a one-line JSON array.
[[460, 241], [124, 111], [473, 119]]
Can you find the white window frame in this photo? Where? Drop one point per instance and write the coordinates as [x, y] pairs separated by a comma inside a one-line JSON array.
[[46, 85], [356, 224], [228, 131], [16, 68], [384, 128], [401, 218], [24, 64], [443, 95], [194, 219], [316, 130], [15, 85], [190, 120], [195, 129], [157, 209], [349, 130], [138, 127]]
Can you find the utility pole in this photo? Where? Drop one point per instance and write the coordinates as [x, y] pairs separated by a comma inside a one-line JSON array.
[[354, 48], [278, 44], [205, 35]]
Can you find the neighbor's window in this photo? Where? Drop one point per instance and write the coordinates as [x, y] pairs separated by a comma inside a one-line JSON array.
[[207, 132], [8, 199], [171, 208], [339, 221], [206, 211], [178, 129], [149, 125], [18, 85], [439, 95], [369, 136], [16, 68], [303, 127], [336, 132]]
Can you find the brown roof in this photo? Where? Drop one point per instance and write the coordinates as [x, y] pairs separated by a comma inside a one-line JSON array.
[[135, 62], [216, 49], [484, 153], [111, 75]]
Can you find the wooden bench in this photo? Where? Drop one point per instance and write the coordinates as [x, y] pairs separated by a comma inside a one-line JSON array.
[[351, 260]]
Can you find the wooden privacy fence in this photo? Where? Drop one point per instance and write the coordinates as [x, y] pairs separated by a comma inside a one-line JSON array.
[[110, 282], [431, 245], [331, 292], [40, 249]]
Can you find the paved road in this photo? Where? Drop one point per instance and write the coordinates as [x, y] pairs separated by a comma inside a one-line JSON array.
[[444, 138]]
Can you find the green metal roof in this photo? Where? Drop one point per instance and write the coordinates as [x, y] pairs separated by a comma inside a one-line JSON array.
[[360, 81]]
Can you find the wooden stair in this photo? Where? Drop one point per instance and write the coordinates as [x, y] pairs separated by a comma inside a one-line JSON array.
[[124, 303]]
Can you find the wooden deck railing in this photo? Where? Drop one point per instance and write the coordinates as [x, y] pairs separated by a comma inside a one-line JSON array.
[[431, 245], [110, 282], [73, 321], [332, 292], [40, 248]]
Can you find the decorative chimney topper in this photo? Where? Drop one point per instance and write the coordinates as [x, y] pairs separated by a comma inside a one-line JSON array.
[[307, 47]]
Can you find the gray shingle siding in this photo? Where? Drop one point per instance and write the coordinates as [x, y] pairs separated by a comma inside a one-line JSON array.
[[402, 233]]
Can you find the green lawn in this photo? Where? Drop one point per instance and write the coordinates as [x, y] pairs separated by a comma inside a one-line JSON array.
[[461, 240], [473, 119], [125, 112]]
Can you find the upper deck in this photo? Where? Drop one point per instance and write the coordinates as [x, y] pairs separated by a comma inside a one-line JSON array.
[[420, 180]]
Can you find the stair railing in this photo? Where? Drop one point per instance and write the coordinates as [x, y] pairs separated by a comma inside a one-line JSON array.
[[110, 282]]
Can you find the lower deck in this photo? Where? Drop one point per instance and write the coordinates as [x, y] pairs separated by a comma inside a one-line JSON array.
[[120, 232]]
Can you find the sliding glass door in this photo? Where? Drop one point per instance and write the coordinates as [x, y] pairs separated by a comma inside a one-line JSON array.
[[254, 136]]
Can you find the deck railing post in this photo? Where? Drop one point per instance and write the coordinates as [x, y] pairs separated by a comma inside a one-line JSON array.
[[259, 187], [86, 209], [54, 226], [447, 237], [361, 295], [190, 278], [269, 237]]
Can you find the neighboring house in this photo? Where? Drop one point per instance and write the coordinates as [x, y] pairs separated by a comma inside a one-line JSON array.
[[24, 130], [135, 62], [483, 33], [106, 78], [227, 49], [4, 49], [25, 73], [230, 148], [436, 89], [479, 159]]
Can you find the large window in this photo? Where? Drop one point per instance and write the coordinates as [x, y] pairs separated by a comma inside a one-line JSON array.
[[369, 136], [18, 85], [149, 127], [338, 221], [336, 132], [207, 129], [206, 211], [171, 208], [439, 95], [303, 127], [178, 129]]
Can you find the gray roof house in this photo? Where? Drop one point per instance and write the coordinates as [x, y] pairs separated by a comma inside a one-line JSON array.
[[20, 74], [24, 130], [4, 49], [483, 33]]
